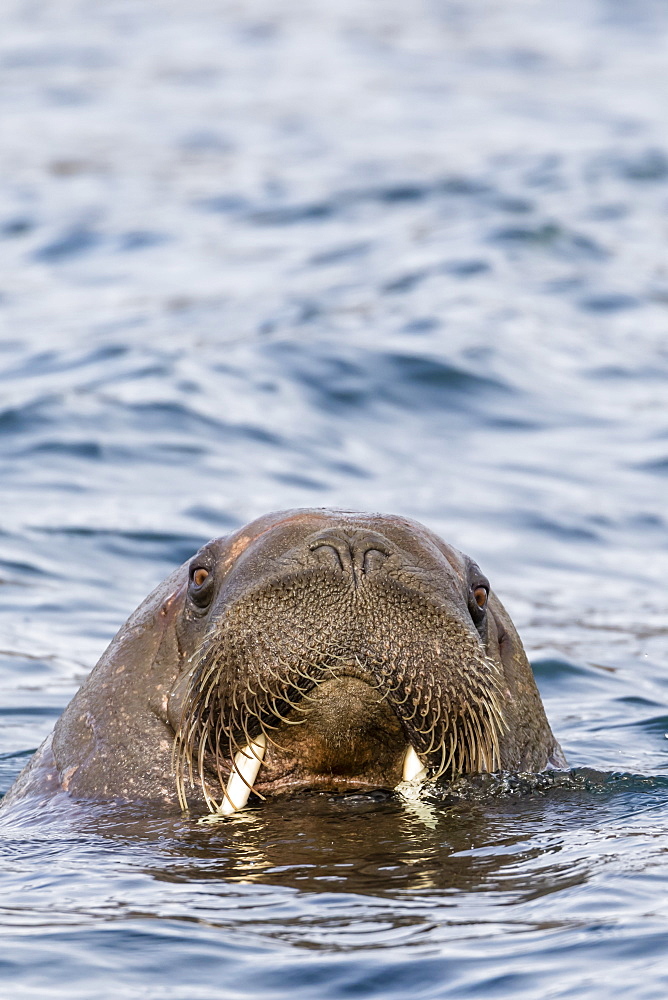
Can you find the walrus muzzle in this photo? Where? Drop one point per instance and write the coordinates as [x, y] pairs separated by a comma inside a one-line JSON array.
[[349, 642]]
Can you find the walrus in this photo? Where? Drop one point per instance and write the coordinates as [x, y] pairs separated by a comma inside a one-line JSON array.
[[312, 649]]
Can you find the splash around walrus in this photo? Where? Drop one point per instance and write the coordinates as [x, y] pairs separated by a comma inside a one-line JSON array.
[[311, 649]]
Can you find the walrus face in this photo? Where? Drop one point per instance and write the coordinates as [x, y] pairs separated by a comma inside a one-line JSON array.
[[334, 651]]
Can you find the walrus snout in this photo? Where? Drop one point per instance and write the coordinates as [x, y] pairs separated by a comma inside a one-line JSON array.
[[349, 651]]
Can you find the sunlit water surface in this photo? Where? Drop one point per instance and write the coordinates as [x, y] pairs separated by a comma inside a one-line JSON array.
[[385, 256]]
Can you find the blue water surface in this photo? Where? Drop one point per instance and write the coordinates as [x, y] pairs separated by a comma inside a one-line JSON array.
[[376, 255]]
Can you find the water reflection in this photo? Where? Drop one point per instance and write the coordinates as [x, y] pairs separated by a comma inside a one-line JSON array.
[[501, 841]]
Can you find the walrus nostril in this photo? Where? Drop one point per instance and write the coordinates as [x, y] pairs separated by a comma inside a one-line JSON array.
[[358, 554], [329, 554], [373, 560]]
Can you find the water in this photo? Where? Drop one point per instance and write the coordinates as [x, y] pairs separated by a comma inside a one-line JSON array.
[[383, 256]]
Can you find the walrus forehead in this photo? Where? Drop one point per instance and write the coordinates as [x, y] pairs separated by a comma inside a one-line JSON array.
[[274, 535]]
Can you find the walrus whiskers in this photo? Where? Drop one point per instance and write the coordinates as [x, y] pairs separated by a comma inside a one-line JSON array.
[[475, 725], [203, 719]]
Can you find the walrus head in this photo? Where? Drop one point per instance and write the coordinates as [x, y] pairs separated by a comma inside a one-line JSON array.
[[312, 649], [337, 651]]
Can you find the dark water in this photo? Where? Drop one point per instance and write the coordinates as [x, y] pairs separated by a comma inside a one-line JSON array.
[[379, 255]]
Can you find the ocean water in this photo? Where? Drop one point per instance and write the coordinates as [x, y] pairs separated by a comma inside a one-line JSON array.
[[408, 257]]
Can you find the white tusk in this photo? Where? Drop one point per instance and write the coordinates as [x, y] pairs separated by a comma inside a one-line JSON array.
[[414, 769], [247, 763]]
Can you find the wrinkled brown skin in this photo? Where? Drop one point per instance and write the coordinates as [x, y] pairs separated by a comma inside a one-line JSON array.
[[115, 739]]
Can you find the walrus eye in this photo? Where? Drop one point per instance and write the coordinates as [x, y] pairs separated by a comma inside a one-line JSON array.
[[200, 589], [480, 596]]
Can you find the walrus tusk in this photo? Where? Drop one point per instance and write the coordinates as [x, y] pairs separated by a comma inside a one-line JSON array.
[[247, 763], [414, 769]]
